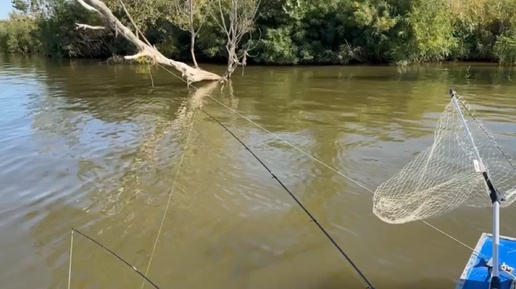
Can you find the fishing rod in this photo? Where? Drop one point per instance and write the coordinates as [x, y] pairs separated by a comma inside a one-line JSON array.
[[355, 268], [114, 254]]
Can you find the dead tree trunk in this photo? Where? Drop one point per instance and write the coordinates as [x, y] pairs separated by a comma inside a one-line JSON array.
[[190, 74], [189, 16], [236, 19], [193, 33], [192, 48]]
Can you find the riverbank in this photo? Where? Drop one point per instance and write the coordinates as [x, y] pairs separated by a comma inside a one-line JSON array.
[[119, 60], [283, 32]]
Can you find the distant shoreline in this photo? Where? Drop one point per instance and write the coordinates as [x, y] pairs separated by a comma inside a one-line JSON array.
[[203, 62]]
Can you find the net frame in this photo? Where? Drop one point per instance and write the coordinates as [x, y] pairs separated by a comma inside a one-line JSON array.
[[448, 174]]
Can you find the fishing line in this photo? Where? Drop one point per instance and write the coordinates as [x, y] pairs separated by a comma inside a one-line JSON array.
[[322, 163], [486, 133], [108, 250], [169, 198], [157, 237], [478, 253], [315, 221], [355, 268], [339, 172]]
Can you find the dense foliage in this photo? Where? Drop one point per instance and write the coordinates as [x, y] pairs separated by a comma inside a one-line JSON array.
[[286, 31]]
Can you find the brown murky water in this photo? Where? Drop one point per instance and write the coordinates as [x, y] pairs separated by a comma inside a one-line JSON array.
[[97, 148]]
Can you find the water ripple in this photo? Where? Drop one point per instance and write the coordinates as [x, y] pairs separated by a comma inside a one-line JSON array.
[[96, 147]]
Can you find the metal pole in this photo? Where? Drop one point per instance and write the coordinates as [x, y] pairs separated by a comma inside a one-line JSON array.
[[494, 196], [70, 262]]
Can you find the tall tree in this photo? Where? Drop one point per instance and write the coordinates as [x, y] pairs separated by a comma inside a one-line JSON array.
[[236, 18], [189, 15]]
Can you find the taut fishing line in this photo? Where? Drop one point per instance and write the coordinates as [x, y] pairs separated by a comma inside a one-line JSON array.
[[318, 160], [157, 236], [355, 268], [449, 236], [479, 124], [109, 251], [357, 271]]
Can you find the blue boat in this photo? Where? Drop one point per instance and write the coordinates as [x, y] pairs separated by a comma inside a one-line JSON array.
[[463, 167], [477, 273], [491, 264]]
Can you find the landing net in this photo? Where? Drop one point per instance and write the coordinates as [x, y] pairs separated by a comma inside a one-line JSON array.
[[447, 174]]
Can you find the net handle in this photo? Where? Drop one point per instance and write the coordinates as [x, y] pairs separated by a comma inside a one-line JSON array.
[[453, 96], [494, 195]]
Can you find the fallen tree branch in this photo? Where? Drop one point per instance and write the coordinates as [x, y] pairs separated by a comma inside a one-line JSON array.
[[86, 26], [190, 74], [138, 55], [87, 6]]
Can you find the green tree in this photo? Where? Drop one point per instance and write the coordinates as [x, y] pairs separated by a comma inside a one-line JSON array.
[[274, 32]]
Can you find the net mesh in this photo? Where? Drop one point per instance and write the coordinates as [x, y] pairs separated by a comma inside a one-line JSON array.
[[444, 176]]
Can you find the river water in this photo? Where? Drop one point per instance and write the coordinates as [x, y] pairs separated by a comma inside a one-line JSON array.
[[97, 148]]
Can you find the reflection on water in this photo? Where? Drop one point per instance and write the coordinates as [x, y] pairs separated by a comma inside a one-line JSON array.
[[96, 147]]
